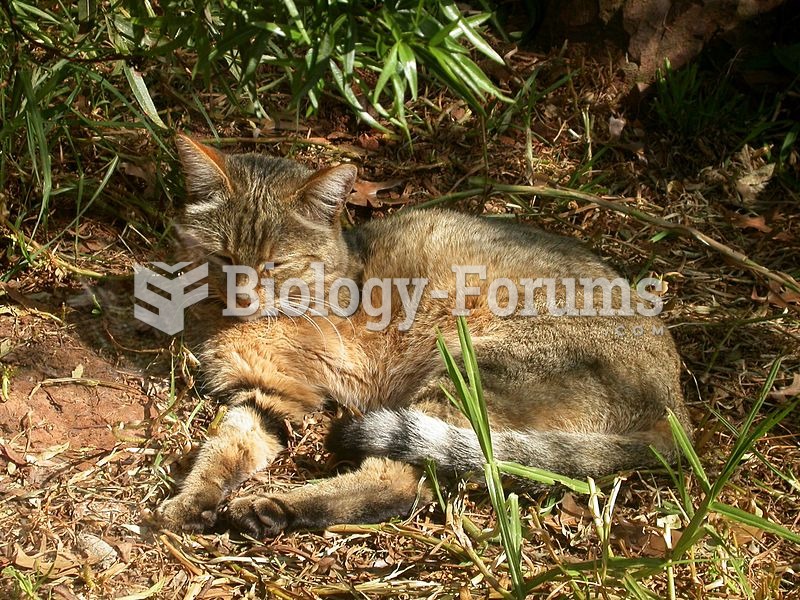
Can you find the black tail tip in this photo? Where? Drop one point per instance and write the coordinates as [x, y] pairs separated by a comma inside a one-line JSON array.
[[345, 439]]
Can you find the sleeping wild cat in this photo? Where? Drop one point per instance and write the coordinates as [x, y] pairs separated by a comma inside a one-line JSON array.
[[583, 396]]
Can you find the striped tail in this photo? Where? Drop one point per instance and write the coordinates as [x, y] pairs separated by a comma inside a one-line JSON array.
[[412, 437]]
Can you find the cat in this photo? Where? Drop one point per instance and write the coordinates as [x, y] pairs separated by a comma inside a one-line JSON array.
[[579, 395]]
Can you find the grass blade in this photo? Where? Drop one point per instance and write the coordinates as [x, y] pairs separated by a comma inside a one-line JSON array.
[[542, 476], [451, 12], [409, 65], [142, 95], [746, 518], [686, 446]]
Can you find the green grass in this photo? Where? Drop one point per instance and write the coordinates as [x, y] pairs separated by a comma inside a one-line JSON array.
[[693, 102], [610, 571], [90, 94], [689, 103], [26, 585], [82, 78]]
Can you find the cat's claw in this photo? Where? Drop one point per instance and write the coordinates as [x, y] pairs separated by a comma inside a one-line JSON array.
[[260, 517], [187, 512]]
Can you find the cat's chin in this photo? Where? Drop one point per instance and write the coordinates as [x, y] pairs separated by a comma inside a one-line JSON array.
[[256, 316]]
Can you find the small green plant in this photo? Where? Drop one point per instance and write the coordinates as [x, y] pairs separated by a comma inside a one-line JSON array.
[[26, 585], [97, 310], [747, 437], [615, 572], [370, 56], [469, 399], [688, 103], [81, 79]]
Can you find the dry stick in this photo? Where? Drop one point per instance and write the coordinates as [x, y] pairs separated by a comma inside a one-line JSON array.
[[37, 249], [349, 529], [180, 556], [684, 230], [354, 152], [459, 550], [268, 139], [77, 381]]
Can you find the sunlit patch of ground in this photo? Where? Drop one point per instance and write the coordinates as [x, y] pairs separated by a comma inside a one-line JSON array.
[[99, 410]]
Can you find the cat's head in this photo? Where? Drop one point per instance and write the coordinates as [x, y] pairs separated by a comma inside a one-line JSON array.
[[253, 210]]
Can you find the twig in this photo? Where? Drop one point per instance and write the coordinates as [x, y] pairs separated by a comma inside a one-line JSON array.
[[684, 230], [455, 550], [180, 556], [36, 249], [352, 152], [77, 381]]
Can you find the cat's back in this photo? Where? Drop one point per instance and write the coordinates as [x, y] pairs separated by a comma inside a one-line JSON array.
[[416, 241]]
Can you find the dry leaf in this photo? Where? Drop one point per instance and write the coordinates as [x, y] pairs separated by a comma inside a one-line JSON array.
[[124, 549], [43, 457], [365, 193], [148, 593], [646, 542], [754, 182], [786, 296], [6, 346], [656, 546], [133, 170], [744, 534], [146, 173], [77, 372], [507, 140], [22, 299], [778, 296], [63, 592], [457, 113], [572, 512], [757, 222], [369, 142], [13, 455], [62, 565], [790, 391], [339, 135], [615, 127], [97, 550], [324, 565]]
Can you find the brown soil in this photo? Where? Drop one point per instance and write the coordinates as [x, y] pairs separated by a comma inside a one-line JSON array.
[[61, 391], [730, 321]]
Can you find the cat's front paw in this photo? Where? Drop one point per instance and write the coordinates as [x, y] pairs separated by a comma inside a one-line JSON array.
[[187, 512], [259, 517]]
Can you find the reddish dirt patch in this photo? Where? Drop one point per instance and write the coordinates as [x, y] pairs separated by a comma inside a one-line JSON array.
[[60, 391]]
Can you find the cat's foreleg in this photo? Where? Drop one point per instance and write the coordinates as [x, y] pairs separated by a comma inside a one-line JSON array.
[[246, 442], [378, 490]]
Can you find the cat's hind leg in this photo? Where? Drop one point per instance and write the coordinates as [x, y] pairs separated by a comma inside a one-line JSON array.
[[378, 490]]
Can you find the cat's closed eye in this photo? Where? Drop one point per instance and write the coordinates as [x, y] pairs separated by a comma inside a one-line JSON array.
[[223, 259]]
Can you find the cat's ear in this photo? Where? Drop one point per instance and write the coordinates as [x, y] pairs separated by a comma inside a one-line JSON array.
[[326, 191], [203, 167]]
